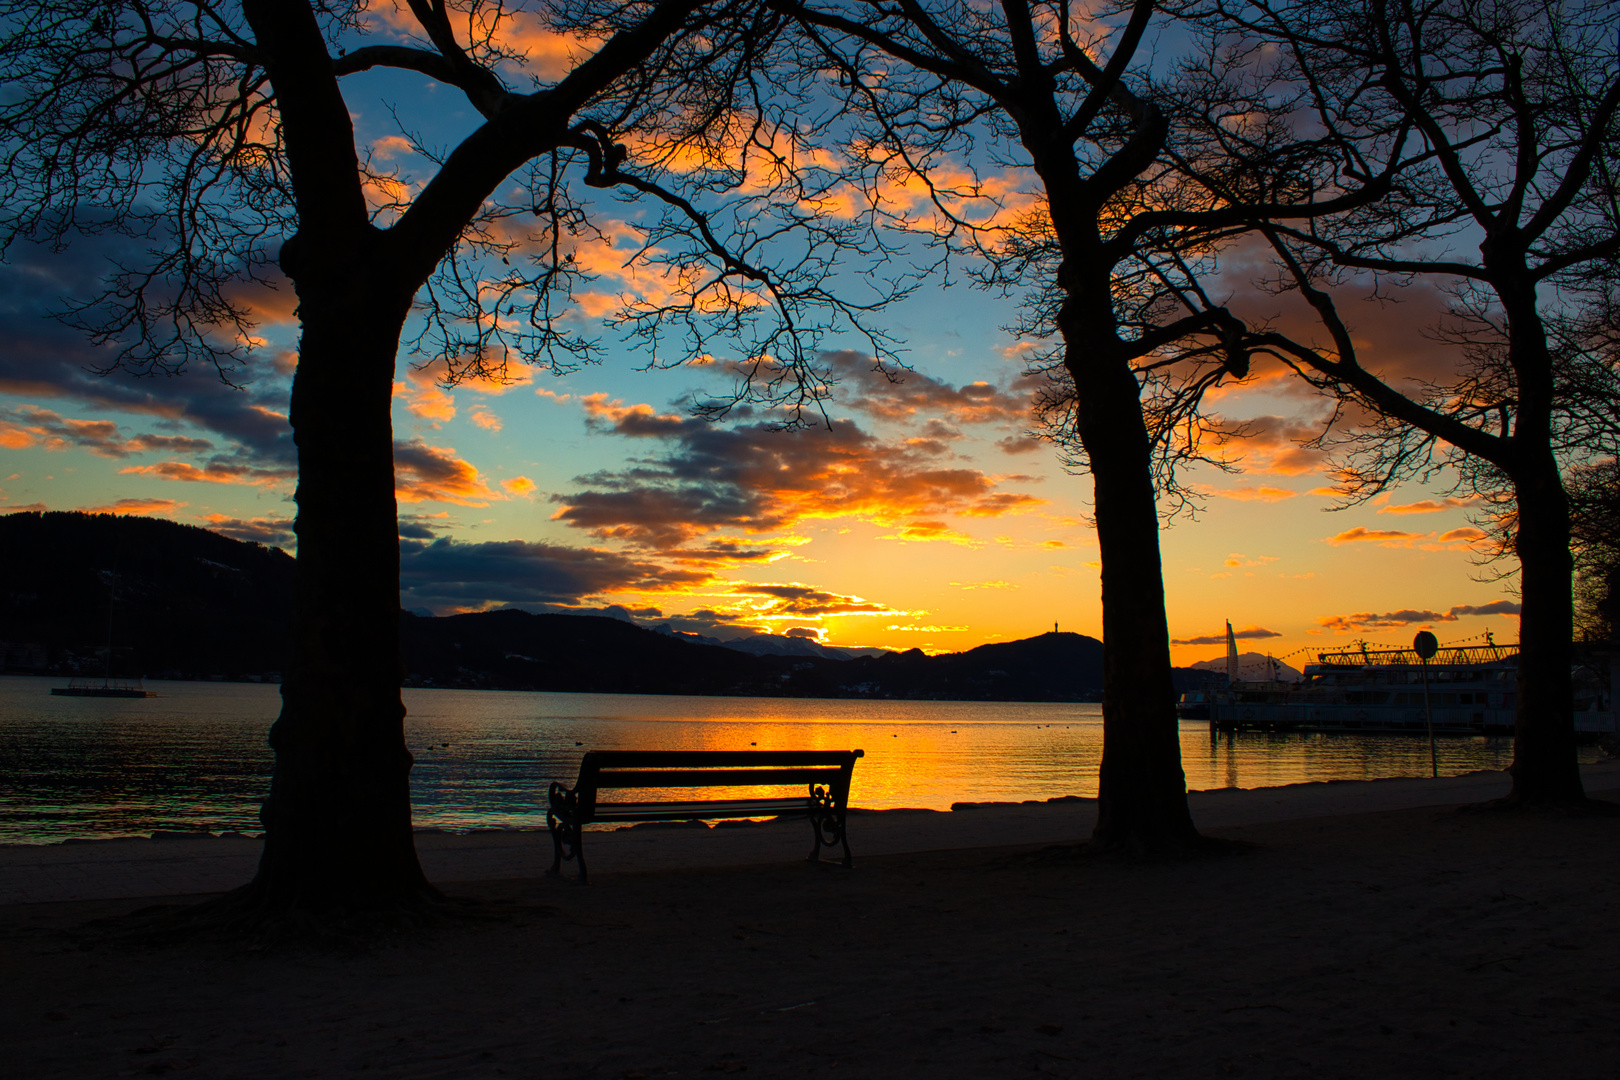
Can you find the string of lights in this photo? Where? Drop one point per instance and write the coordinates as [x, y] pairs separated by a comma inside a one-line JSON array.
[[1485, 637]]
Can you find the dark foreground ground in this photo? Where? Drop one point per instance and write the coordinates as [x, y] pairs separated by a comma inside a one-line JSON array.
[[1413, 943]]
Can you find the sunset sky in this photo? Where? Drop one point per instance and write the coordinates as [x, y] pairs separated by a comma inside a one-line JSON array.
[[925, 517]]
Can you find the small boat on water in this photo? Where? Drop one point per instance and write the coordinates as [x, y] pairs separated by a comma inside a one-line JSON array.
[[1471, 690], [103, 687]]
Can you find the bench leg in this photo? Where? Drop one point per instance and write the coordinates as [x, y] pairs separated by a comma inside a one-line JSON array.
[[826, 825], [567, 834], [556, 847], [566, 844]]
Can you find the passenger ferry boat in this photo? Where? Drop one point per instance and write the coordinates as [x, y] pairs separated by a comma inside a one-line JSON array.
[[1367, 690], [104, 687]]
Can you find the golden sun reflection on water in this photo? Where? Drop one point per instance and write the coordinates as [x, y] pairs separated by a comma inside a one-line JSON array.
[[195, 758]]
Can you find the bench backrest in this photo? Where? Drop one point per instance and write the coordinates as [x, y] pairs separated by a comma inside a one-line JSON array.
[[609, 769]]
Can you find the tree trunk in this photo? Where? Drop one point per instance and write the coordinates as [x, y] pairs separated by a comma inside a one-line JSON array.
[[338, 819], [1544, 769], [1142, 791]]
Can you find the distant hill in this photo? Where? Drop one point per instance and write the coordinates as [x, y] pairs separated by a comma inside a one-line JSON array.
[[193, 604], [777, 644], [1253, 666], [515, 649], [182, 600]]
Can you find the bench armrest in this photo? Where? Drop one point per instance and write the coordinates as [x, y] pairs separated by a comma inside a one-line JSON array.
[[564, 803]]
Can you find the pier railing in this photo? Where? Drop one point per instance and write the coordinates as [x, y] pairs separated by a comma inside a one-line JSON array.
[[1454, 655]]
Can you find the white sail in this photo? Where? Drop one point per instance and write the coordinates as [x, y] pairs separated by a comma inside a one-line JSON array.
[[1231, 654]]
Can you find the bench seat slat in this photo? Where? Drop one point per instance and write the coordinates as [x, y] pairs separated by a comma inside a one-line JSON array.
[[689, 759], [693, 810], [690, 778]]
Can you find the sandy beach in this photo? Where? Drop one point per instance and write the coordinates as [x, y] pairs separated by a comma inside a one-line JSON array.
[[1386, 936]]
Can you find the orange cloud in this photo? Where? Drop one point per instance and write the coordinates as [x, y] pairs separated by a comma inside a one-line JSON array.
[[1386, 537], [1018, 444], [1366, 620], [392, 146], [1274, 446], [1248, 633], [755, 479], [748, 607], [1428, 506], [923, 529], [518, 485], [135, 506], [903, 395], [1253, 494], [30, 425], [1000, 503], [798, 601], [428, 402], [387, 195], [1462, 539], [615, 415], [426, 391], [616, 255], [272, 300], [272, 531], [547, 54], [999, 198], [424, 473], [217, 471]]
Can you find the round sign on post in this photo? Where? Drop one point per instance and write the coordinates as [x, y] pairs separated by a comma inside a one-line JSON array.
[[1426, 645]]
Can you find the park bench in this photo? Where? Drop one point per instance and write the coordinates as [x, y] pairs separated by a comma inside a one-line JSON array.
[[825, 775]]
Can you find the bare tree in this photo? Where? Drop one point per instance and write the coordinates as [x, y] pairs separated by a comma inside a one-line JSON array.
[[950, 98], [1594, 493], [1593, 478], [1499, 121], [221, 134]]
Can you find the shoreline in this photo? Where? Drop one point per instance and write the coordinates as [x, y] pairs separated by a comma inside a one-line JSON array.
[[1394, 943], [190, 864]]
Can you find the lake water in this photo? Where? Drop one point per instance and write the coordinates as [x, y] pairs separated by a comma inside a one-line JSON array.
[[195, 759]]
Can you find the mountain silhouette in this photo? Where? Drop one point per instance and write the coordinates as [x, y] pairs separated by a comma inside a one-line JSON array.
[[191, 603], [183, 600], [1253, 666]]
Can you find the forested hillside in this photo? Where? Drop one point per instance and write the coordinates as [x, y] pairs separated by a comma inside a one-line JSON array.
[[184, 602]]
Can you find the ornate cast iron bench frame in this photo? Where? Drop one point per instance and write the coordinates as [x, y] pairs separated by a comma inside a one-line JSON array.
[[825, 774]]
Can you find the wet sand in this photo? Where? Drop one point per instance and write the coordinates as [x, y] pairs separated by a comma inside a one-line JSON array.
[[1413, 942]]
